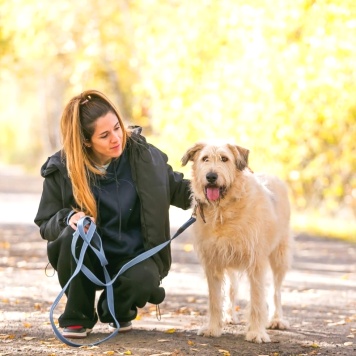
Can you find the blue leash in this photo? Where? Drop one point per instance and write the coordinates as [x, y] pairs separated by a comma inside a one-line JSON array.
[[92, 240]]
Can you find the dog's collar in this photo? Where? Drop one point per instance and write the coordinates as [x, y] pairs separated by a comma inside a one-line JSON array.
[[199, 206]]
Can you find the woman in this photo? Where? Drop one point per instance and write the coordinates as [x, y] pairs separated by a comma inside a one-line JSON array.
[[126, 187]]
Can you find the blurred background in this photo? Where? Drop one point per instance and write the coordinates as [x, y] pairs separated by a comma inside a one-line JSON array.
[[276, 76]]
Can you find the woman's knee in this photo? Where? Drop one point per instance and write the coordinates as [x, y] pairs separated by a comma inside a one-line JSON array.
[[144, 281], [144, 273]]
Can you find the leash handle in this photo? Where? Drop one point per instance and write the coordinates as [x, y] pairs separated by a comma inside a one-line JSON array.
[[92, 240], [87, 238]]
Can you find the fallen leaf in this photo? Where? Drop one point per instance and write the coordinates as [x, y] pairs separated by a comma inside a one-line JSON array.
[[190, 342], [111, 353], [4, 245], [225, 352], [191, 299], [170, 331], [188, 247], [128, 352], [27, 325], [7, 336], [88, 347], [341, 322], [29, 338]]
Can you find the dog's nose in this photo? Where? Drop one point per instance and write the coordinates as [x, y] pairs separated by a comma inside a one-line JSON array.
[[211, 177]]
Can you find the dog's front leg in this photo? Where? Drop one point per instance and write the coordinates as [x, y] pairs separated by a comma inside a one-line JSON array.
[[214, 326], [229, 309], [256, 331]]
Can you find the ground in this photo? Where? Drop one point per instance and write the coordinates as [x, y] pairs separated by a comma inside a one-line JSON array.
[[319, 296]]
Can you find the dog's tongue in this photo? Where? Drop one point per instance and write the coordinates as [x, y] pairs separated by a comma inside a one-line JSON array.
[[213, 193]]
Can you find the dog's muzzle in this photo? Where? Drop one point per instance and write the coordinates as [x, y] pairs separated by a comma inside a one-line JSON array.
[[212, 191]]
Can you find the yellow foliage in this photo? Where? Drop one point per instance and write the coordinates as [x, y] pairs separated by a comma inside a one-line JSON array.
[[276, 78]]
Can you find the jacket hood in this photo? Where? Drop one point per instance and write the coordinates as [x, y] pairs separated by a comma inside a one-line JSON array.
[[135, 129], [54, 163]]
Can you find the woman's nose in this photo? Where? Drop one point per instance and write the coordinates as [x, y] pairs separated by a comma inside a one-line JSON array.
[[115, 137]]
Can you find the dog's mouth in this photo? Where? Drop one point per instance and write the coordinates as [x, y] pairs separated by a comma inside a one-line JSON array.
[[214, 193]]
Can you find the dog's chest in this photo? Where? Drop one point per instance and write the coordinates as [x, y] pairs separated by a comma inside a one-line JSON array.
[[224, 242]]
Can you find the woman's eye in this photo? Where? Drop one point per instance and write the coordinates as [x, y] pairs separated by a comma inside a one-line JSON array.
[[224, 159], [205, 159]]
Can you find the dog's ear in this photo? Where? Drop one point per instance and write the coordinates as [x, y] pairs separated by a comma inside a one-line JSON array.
[[191, 153], [241, 156]]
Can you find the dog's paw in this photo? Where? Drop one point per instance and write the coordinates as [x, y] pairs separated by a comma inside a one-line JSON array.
[[257, 336], [210, 331], [230, 319], [278, 324]]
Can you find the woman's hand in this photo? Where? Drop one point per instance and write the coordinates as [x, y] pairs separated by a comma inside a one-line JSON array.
[[73, 221]]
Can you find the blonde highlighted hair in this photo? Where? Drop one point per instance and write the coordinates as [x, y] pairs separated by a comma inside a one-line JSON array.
[[77, 127]]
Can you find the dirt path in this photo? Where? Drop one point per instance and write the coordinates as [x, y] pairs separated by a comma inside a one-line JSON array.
[[319, 297]]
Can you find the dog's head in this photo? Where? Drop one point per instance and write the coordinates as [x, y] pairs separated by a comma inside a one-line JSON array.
[[214, 168]]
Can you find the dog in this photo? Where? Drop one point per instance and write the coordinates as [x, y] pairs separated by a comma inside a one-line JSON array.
[[242, 226]]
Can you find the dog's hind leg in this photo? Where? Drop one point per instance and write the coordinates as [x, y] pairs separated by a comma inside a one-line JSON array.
[[256, 330], [214, 325], [230, 295], [280, 261]]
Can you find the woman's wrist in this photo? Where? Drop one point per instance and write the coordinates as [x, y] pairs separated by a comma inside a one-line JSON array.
[[69, 216]]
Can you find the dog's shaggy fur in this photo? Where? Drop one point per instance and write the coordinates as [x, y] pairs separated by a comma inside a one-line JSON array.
[[246, 228]]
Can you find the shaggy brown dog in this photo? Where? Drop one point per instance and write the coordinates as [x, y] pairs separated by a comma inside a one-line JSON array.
[[243, 225]]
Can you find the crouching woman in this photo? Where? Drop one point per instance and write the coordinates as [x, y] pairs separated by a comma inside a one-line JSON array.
[[126, 186]]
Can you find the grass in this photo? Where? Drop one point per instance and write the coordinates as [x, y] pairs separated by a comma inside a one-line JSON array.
[[314, 224]]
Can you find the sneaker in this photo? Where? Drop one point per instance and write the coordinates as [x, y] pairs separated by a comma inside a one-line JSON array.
[[76, 332], [125, 326]]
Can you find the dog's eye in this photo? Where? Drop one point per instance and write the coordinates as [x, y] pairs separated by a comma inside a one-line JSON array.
[[205, 159], [224, 159]]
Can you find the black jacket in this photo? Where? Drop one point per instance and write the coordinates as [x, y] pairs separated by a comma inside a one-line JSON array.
[[157, 186]]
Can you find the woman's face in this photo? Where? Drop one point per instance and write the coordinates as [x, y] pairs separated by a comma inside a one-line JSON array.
[[106, 142]]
